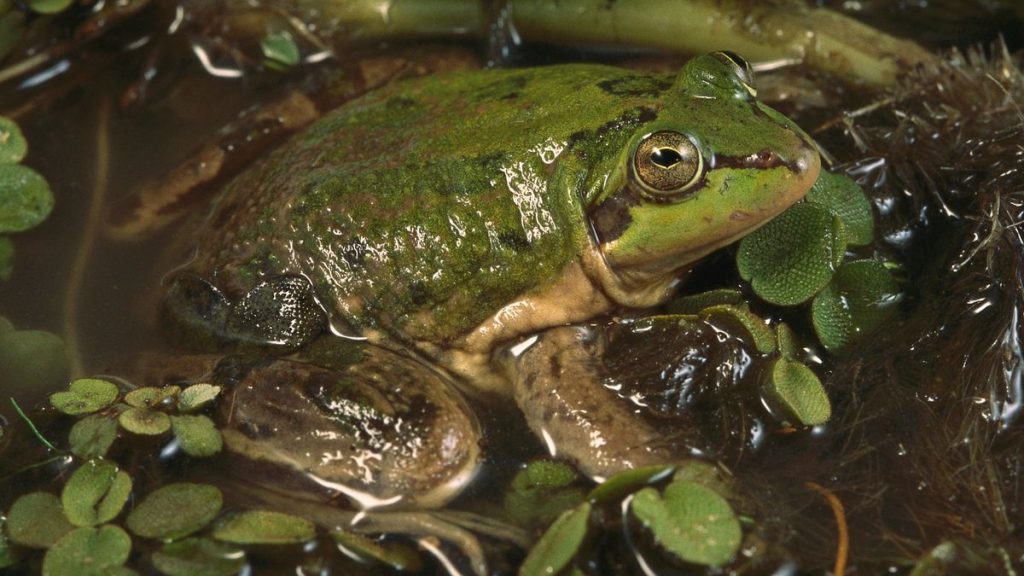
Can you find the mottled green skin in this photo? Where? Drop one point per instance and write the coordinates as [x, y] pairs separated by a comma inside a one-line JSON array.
[[423, 208]]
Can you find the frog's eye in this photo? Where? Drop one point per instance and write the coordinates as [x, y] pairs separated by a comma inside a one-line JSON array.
[[667, 164], [740, 67]]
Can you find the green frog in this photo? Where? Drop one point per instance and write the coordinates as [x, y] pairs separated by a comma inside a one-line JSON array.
[[437, 227]]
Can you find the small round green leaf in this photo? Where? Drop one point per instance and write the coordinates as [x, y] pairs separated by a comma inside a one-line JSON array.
[[197, 396], [691, 521], [6, 258], [760, 333], [198, 435], [795, 391], [85, 396], [92, 436], [25, 198], [95, 493], [559, 544], [704, 473], [792, 257], [624, 483], [7, 557], [148, 396], [49, 6], [694, 303], [396, 555], [199, 557], [175, 511], [264, 527], [32, 360], [36, 520], [144, 422], [544, 474], [88, 552], [280, 49], [789, 344], [841, 196], [860, 298], [12, 142]]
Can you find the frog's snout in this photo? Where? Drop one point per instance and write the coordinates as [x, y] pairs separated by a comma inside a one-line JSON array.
[[805, 164]]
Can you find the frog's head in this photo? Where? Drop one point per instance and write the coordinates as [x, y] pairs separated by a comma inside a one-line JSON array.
[[714, 165]]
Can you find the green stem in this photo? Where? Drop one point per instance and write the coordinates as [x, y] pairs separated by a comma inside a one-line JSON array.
[[32, 426]]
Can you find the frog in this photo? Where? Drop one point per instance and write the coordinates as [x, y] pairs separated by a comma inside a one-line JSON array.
[[428, 233]]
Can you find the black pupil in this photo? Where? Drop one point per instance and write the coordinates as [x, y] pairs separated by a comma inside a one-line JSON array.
[[666, 157]]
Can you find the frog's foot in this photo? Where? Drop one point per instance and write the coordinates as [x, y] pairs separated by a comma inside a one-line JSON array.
[[558, 387], [621, 395], [385, 431], [280, 312]]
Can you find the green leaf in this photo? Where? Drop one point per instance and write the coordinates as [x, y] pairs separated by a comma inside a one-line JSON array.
[[198, 435], [197, 396], [25, 198], [544, 474], [49, 6], [32, 360], [704, 473], [144, 422], [691, 521], [760, 333], [624, 483], [149, 397], [264, 527], [95, 493], [85, 396], [88, 552], [792, 257], [12, 142], [7, 557], [199, 557], [789, 344], [559, 544], [694, 303], [36, 520], [92, 436], [860, 298], [6, 258], [175, 511], [841, 196], [794, 391], [280, 49], [541, 492], [396, 555]]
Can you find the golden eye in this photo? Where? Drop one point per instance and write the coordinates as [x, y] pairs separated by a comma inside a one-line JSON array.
[[667, 164]]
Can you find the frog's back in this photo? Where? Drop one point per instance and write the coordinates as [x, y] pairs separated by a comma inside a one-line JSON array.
[[428, 205]]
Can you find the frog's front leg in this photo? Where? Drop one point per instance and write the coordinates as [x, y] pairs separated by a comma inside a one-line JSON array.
[[618, 395], [557, 385]]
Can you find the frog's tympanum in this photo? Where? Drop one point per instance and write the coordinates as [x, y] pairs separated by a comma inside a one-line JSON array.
[[443, 222]]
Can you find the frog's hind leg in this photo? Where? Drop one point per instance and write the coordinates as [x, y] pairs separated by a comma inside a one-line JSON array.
[[375, 430]]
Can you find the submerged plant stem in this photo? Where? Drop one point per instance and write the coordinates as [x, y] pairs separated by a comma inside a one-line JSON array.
[[32, 426], [843, 544], [73, 290]]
